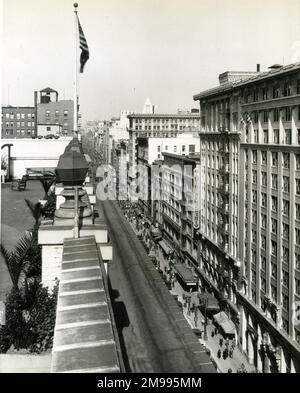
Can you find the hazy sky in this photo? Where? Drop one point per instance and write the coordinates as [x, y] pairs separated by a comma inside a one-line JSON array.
[[167, 50]]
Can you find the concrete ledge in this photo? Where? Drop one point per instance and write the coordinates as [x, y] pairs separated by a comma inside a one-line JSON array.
[[52, 234], [83, 337]]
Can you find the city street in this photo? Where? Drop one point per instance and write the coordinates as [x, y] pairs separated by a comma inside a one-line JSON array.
[[238, 359]]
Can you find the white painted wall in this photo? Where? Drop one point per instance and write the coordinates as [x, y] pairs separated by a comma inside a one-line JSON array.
[[35, 153], [167, 145]]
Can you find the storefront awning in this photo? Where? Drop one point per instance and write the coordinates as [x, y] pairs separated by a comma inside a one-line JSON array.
[[165, 247], [185, 274], [224, 322], [211, 302]]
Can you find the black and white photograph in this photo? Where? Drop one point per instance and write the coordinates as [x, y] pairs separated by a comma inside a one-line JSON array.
[[150, 190]]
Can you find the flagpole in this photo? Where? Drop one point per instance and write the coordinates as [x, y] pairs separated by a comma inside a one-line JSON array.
[[76, 72]]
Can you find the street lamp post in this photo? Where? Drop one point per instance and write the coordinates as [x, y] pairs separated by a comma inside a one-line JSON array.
[[205, 317]]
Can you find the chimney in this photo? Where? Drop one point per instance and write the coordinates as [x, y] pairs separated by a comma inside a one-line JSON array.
[[257, 67]]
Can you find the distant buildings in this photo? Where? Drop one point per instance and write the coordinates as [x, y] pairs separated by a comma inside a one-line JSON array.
[[250, 209], [48, 116], [18, 121], [52, 112]]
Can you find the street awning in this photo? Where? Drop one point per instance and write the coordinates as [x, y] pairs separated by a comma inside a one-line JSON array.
[[165, 247], [228, 327], [186, 274], [220, 317], [224, 322], [212, 302]]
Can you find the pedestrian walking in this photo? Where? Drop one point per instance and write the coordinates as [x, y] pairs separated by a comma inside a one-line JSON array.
[[219, 354], [225, 354], [231, 353], [221, 342], [227, 342]]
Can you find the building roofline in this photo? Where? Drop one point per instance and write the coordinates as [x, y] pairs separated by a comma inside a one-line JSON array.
[[253, 79], [17, 107], [166, 115], [181, 157]]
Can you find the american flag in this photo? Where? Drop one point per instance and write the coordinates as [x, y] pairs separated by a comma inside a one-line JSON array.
[[85, 54]]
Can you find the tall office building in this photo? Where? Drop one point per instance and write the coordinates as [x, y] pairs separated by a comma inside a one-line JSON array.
[[250, 209]]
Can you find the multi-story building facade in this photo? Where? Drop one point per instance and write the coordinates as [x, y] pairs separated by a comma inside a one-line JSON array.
[[150, 135], [175, 204], [52, 111], [250, 213], [18, 122]]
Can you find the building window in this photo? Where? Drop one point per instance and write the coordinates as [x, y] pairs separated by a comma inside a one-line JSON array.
[[276, 115], [158, 148], [285, 303], [297, 260], [254, 157], [297, 234], [191, 149], [298, 211], [297, 286], [48, 128], [286, 184], [285, 231], [254, 177], [266, 139], [264, 178], [265, 93], [183, 148], [264, 158], [175, 149], [274, 179], [298, 86], [47, 113], [274, 248], [18, 116], [273, 293], [263, 221], [263, 263], [28, 115], [286, 89], [255, 117], [276, 136], [288, 136], [263, 240], [65, 113], [57, 113], [298, 186], [273, 270], [263, 199], [288, 114], [285, 255], [254, 196], [255, 136], [286, 160], [265, 116], [286, 207], [274, 225], [274, 159]]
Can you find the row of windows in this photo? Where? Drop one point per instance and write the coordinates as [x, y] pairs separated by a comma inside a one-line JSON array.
[[56, 112], [274, 159], [183, 148], [277, 90], [273, 136], [19, 115], [20, 124], [285, 113], [274, 181], [20, 132]]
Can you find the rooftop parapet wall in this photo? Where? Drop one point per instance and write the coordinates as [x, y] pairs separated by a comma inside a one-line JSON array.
[[84, 338]]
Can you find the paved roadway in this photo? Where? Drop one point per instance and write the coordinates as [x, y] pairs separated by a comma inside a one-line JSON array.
[[151, 326]]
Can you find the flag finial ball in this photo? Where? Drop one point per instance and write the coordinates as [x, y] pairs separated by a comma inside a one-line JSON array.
[[75, 5]]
